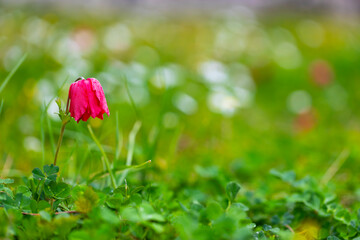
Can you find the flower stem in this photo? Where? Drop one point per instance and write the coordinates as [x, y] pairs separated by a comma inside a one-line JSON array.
[[60, 140], [113, 182], [65, 119]]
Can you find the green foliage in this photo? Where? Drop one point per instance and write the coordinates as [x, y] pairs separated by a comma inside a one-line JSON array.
[[48, 175], [63, 211], [232, 189], [6, 181], [41, 192]]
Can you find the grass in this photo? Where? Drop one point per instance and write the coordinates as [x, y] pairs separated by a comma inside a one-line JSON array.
[[11, 73], [252, 130]]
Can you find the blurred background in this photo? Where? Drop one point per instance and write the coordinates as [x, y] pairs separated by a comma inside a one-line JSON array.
[[220, 86]]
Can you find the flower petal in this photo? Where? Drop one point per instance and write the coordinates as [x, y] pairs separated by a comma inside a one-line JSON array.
[[93, 101], [99, 93], [78, 100], [86, 115]]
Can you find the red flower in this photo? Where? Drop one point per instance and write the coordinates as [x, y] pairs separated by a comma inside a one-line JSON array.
[[87, 99]]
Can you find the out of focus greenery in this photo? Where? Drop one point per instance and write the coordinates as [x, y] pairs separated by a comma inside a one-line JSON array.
[[221, 98]]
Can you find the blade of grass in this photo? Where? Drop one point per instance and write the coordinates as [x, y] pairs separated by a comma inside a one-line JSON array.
[[142, 135], [78, 135], [335, 166], [7, 166], [120, 169], [68, 162], [51, 135], [82, 162], [158, 128], [119, 139], [131, 98], [63, 84], [42, 130], [42, 126], [12, 72], [130, 154], [42, 136], [113, 182], [174, 143], [1, 105]]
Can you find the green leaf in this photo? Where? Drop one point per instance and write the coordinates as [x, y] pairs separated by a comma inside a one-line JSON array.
[[156, 227], [57, 190], [241, 206], [313, 201], [6, 190], [43, 205], [38, 206], [267, 227], [24, 190], [136, 198], [144, 213], [48, 192], [121, 190], [130, 214], [115, 201], [136, 190], [237, 212], [332, 238], [61, 190], [214, 210], [50, 169], [45, 215], [22, 202], [51, 173], [224, 225], [109, 216], [275, 230], [195, 205], [38, 174], [6, 181], [343, 216], [147, 212], [56, 204], [2, 196], [183, 207], [207, 172], [288, 177], [232, 189], [79, 235], [33, 206]]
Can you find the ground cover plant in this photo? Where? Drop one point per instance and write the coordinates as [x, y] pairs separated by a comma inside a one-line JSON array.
[[230, 126]]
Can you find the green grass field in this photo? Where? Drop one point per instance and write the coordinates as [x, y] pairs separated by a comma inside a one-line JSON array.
[[251, 125]]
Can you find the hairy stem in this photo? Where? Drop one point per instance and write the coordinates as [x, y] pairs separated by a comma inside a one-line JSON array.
[[60, 140], [38, 214], [65, 120]]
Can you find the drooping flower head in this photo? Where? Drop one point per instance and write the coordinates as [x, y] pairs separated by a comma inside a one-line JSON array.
[[87, 99]]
